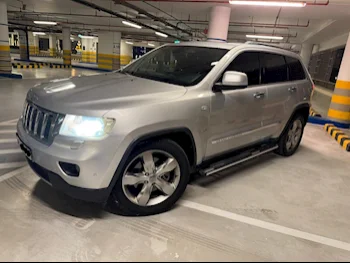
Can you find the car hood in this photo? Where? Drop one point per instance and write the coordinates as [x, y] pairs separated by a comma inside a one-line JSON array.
[[96, 95]]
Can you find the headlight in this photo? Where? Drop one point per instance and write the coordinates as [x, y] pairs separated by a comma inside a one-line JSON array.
[[86, 127]]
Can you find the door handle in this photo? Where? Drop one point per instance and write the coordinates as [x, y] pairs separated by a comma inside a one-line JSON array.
[[259, 95], [292, 89]]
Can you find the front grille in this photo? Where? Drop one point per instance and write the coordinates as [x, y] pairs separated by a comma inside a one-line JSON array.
[[43, 125]]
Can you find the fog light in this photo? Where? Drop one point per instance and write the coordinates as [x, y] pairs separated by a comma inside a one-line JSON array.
[[70, 169]]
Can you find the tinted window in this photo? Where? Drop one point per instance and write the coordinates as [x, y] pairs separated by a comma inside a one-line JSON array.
[[247, 63], [296, 71], [180, 65], [274, 68]]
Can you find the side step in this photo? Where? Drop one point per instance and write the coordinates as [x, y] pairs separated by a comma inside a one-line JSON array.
[[235, 160]]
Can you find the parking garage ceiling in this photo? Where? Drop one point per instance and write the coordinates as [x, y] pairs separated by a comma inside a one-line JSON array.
[[184, 19]]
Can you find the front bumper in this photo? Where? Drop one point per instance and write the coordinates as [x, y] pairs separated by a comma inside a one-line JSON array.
[[89, 195], [98, 161]]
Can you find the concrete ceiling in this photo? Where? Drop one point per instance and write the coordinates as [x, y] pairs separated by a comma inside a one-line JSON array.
[[313, 23]]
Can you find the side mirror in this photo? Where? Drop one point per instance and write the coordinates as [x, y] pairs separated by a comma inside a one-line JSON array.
[[232, 80]]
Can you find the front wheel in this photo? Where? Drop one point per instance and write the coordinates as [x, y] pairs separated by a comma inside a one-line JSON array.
[[153, 179], [291, 138]]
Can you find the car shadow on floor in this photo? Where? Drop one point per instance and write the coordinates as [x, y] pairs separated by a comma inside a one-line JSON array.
[[62, 203]]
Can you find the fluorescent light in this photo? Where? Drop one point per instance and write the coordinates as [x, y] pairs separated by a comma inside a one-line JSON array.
[[161, 34], [81, 36], [269, 3], [151, 45], [45, 23], [39, 33], [264, 37], [129, 43], [131, 24]]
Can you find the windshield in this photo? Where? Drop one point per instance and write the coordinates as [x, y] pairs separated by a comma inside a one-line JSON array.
[[179, 65]]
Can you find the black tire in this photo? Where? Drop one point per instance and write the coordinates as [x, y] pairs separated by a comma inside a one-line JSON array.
[[282, 142], [118, 202]]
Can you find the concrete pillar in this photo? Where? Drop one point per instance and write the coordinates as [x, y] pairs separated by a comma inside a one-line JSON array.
[[109, 50], [89, 49], [315, 49], [33, 42], [126, 51], [52, 45], [340, 105], [306, 51], [5, 59], [23, 45], [219, 23], [67, 46]]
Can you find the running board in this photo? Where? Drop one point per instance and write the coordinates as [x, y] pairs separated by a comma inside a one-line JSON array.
[[228, 163]]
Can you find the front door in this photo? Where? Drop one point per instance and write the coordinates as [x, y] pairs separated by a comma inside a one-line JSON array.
[[236, 115]]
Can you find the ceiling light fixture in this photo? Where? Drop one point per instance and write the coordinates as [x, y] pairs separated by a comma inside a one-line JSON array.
[[265, 37], [151, 45], [45, 23], [129, 43], [39, 33], [131, 24], [161, 34], [81, 36], [269, 3]]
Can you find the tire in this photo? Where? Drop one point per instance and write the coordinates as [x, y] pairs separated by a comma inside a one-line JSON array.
[[284, 148], [129, 200]]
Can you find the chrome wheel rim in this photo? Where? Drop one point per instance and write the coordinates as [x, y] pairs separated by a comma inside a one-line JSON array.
[[294, 135], [151, 178]]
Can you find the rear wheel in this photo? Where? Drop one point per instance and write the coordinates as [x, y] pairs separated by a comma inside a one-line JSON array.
[[153, 179], [291, 138]]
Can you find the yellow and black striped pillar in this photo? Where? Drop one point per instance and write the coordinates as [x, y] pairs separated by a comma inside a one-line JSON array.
[[67, 57], [108, 61], [5, 59], [67, 46], [125, 60], [23, 43], [339, 109]]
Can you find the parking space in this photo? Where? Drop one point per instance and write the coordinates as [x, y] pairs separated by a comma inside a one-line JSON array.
[[271, 208]]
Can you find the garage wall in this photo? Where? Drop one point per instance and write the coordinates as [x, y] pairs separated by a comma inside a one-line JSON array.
[[334, 42], [125, 53]]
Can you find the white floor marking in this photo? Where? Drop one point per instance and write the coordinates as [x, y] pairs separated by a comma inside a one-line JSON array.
[[7, 131], [13, 173], [266, 225], [9, 151], [9, 123], [12, 165], [8, 140]]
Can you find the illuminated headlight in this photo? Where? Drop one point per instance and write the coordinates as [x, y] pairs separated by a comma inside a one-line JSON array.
[[86, 127]]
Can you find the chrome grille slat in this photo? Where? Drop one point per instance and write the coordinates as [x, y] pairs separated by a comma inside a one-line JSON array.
[[43, 125]]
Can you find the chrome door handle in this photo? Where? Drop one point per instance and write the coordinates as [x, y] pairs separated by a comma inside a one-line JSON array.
[[292, 89], [259, 95]]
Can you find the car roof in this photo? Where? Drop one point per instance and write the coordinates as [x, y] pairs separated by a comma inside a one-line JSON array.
[[229, 46]]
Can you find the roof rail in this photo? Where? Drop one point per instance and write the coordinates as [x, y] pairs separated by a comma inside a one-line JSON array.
[[262, 44]]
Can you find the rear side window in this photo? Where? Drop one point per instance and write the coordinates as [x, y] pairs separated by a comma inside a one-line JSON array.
[[274, 68], [247, 63], [296, 71]]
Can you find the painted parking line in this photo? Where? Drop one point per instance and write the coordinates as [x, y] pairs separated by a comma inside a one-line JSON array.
[[9, 123], [7, 131], [8, 140], [13, 173], [10, 151], [267, 225], [12, 165]]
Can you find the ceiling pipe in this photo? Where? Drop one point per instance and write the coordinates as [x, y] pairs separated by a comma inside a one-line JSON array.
[[108, 11], [199, 22], [155, 18], [221, 2]]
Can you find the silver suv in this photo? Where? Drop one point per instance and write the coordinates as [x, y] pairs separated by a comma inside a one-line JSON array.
[[131, 139]]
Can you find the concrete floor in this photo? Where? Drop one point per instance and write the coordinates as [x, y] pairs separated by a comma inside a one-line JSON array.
[[270, 209]]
